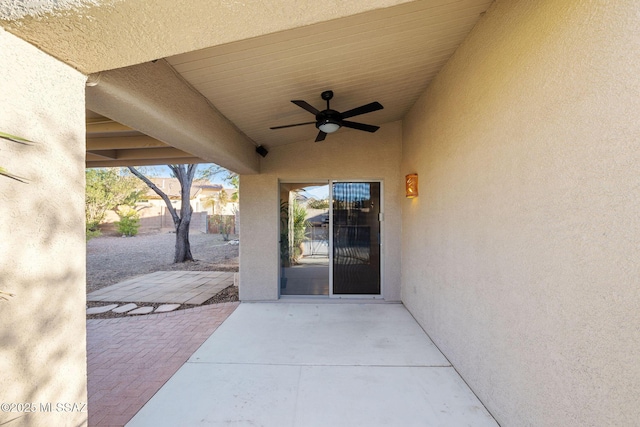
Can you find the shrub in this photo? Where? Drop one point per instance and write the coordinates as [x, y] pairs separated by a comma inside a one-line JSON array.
[[92, 230], [93, 233], [318, 204], [129, 222], [224, 224]]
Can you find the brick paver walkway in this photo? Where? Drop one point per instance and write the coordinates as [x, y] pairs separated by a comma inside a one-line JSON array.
[[130, 358]]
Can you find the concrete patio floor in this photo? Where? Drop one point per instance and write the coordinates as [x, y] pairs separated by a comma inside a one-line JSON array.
[[308, 364]]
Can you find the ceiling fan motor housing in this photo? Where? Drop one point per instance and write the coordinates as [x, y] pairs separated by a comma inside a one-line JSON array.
[[328, 117]]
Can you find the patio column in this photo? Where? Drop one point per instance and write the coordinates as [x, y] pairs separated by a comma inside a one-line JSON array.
[[42, 249]]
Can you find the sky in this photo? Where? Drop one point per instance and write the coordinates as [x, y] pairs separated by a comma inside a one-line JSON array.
[[319, 192], [162, 171]]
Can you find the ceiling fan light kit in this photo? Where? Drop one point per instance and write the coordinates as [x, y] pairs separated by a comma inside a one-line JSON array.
[[329, 121], [328, 126]]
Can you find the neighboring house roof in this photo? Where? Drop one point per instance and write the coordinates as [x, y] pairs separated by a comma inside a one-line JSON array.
[[171, 187], [214, 187]]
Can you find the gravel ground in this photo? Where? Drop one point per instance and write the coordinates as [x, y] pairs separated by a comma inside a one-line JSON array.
[[113, 259]]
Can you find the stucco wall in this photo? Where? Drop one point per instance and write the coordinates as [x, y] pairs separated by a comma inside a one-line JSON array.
[[524, 244], [343, 155], [128, 32], [42, 247]]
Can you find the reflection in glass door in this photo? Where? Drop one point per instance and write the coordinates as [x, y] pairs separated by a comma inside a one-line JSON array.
[[356, 238], [304, 239]]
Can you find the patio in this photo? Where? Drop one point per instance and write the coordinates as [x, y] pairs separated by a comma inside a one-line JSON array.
[[306, 364], [519, 257], [273, 364], [130, 358], [181, 287]]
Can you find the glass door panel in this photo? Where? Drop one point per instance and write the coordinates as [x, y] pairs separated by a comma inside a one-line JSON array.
[[356, 238], [304, 239]]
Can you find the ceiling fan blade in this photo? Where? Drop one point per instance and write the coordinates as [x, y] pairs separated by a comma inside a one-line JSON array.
[[321, 136], [290, 126], [374, 106], [359, 126], [310, 108]]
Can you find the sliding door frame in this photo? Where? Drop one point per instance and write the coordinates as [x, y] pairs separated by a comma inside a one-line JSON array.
[[380, 241], [330, 183], [322, 181]]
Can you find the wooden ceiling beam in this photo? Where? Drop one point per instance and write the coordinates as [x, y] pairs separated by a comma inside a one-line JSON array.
[[142, 162], [152, 153], [140, 156], [104, 154], [123, 142], [106, 125]]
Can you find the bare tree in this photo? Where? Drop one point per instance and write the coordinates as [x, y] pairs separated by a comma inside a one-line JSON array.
[[181, 221]]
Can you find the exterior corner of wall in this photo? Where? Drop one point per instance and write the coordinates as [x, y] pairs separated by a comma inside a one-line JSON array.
[[259, 238], [42, 257]]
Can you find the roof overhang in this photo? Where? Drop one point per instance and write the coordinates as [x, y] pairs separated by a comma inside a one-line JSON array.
[[154, 100], [209, 79]]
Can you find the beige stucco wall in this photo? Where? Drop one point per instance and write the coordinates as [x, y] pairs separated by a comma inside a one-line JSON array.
[[521, 255], [344, 155], [42, 247]]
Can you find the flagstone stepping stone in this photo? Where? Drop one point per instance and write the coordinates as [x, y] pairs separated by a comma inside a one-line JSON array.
[[166, 307], [141, 310], [103, 309], [124, 308]]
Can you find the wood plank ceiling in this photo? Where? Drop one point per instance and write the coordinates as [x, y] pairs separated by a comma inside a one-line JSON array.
[[388, 55], [111, 144]]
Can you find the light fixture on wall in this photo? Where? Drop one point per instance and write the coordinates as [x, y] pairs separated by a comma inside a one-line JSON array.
[[411, 182]]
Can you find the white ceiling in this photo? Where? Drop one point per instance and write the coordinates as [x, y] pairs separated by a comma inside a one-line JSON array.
[[262, 59], [387, 55]]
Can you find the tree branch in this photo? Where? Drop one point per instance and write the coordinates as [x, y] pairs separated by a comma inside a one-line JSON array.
[[159, 192]]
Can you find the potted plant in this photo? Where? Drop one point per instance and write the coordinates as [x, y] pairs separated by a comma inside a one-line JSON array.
[[284, 242], [300, 224], [293, 234]]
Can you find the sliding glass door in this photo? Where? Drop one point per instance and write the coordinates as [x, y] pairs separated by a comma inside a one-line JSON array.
[[330, 239], [304, 239], [356, 238]]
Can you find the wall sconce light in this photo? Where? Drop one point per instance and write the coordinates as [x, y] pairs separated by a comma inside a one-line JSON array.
[[412, 185]]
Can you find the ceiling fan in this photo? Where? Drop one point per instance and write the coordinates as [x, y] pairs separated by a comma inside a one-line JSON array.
[[329, 121]]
